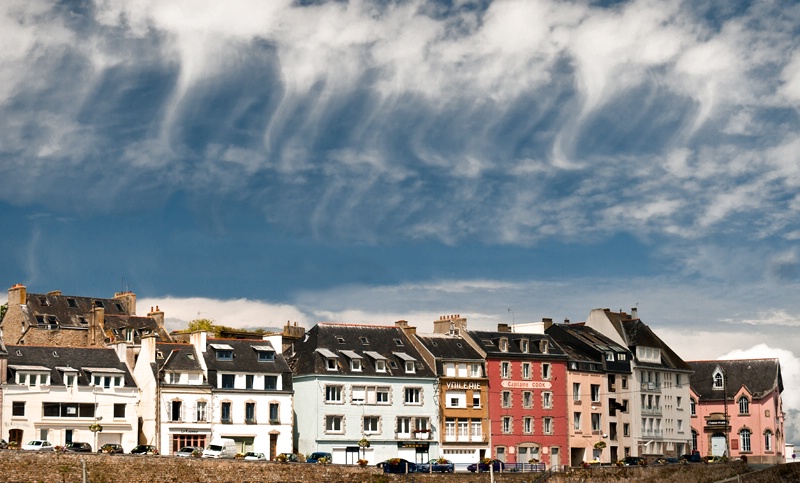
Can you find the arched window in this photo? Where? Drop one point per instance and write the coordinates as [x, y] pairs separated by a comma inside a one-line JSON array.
[[718, 381], [694, 440], [744, 440], [693, 406], [768, 440], [744, 405]]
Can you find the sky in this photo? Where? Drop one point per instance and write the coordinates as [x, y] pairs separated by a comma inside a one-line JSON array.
[[369, 161]]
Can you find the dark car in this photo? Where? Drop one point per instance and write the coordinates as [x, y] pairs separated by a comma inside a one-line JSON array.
[[79, 447], [316, 456], [3, 444], [144, 449], [436, 466], [496, 466], [634, 461], [111, 448], [288, 457], [397, 465], [692, 458], [667, 461]]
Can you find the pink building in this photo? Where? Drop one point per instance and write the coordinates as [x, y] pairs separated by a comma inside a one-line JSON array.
[[737, 410]]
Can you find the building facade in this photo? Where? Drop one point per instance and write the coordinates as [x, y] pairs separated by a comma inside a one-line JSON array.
[[737, 409]]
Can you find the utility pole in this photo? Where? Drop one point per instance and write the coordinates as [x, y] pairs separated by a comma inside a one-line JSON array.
[[727, 423]]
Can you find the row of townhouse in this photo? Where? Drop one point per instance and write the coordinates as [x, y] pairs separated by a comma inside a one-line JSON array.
[[561, 394]]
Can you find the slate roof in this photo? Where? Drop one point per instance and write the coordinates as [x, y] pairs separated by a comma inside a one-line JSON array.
[[490, 343], [80, 358], [637, 333], [177, 357], [445, 348], [584, 344], [368, 341], [245, 359], [115, 326], [70, 311], [758, 376]]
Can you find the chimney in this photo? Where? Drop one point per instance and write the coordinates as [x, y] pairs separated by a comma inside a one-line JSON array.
[[54, 293], [634, 313], [449, 323], [503, 328], [129, 298], [547, 322], [158, 315], [96, 325], [17, 295], [403, 324], [198, 340]]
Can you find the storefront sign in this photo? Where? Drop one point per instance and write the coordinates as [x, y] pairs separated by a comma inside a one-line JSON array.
[[410, 444], [463, 385], [527, 384]]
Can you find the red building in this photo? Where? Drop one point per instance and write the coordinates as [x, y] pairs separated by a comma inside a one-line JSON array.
[[527, 398]]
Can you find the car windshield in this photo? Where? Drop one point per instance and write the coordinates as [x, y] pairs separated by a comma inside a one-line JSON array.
[[215, 447]]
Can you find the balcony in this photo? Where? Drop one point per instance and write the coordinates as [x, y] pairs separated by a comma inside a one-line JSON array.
[[651, 410], [653, 433], [424, 435], [651, 386]]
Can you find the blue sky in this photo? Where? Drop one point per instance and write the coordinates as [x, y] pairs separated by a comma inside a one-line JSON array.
[[368, 161]]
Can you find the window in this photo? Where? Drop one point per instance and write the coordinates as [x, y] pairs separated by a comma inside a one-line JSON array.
[[576, 391], [678, 380], [371, 424], [412, 395], [331, 363], [18, 408], [333, 424], [523, 345], [250, 412], [576, 421], [370, 395], [626, 429], [175, 411], [224, 354], [526, 370], [227, 381], [421, 424], [456, 399], [382, 395], [595, 388], [380, 365], [718, 381], [527, 425], [506, 399], [463, 428], [545, 371], [547, 400], [505, 370], [355, 364], [678, 401], [404, 425], [694, 440], [596, 422], [768, 440], [744, 440], [119, 410], [333, 394], [475, 370], [266, 356], [527, 399], [744, 405], [610, 356], [503, 345], [450, 428], [547, 425], [364, 340], [621, 356], [476, 428], [680, 425], [270, 382], [201, 412], [476, 399], [506, 421], [410, 367], [693, 406], [274, 416], [69, 380], [624, 382], [248, 381], [225, 412]]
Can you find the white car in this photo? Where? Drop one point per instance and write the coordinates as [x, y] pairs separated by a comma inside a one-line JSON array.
[[255, 456], [38, 445]]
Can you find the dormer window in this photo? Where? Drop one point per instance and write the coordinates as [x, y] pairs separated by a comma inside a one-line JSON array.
[[223, 352], [408, 362], [99, 304], [648, 354], [44, 302], [330, 359], [523, 345], [120, 307], [410, 367], [380, 366], [355, 365], [544, 346], [72, 303], [718, 381], [503, 345], [265, 353]]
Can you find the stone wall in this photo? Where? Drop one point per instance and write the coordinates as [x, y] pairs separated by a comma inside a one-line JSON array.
[[26, 466]]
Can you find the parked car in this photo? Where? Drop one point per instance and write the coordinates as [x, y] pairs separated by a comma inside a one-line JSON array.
[[79, 447], [692, 458], [111, 448], [713, 459], [252, 456], [38, 445], [3, 444], [288, 457], [634, 461], [189, 451], [397, 465], [667, 461], [144, 449], [435, 465], [318, 455], [481, 467]]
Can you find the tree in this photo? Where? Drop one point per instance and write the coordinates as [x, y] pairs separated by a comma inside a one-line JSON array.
[[202, 324]]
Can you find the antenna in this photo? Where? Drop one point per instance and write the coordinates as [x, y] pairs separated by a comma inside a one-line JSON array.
[[512, 318]]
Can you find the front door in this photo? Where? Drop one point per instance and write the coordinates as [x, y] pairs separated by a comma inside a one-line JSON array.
[[15, 435], [554, 459], [68, 436], [273, 446], [718, 444]]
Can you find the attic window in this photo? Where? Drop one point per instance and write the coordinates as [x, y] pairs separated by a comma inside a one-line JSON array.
[[99, 303], [523, 345], [19, 353], [398, 342], [364, 340], [504, 345], [340, 339], [433, 343], [224, 355], [159, 354], [43, 302], [458, 344], [119, 307], [72, 303], [55, 354], [393, 364], [82, 319], [487, 342]]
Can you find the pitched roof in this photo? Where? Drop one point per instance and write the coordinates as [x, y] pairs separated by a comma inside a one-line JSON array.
[[584, 344], [177, 357], [489, 342], [70, 311], [116, 325], [64, 359], [245, 357], [446, 347], [371, 342], [637, 333], [758, 376]]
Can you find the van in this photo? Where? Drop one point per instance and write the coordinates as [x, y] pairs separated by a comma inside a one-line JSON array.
[[220, 448]]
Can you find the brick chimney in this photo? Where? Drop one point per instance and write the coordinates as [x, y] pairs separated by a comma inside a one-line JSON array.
[[129, 299], [503, 327], [403, 324], [158, 315], [547, 322], [446, 322]]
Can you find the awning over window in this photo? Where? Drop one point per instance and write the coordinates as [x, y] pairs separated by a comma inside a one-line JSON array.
[[351, 354], [326, 353], [263, 348], [404, 356], [221, 347]]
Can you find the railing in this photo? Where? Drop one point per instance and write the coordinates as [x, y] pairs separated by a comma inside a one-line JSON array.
[[652, 433], [651, 386], [656, 410]]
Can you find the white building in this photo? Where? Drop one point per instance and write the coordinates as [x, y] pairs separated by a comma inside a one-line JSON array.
[[58, 393]]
